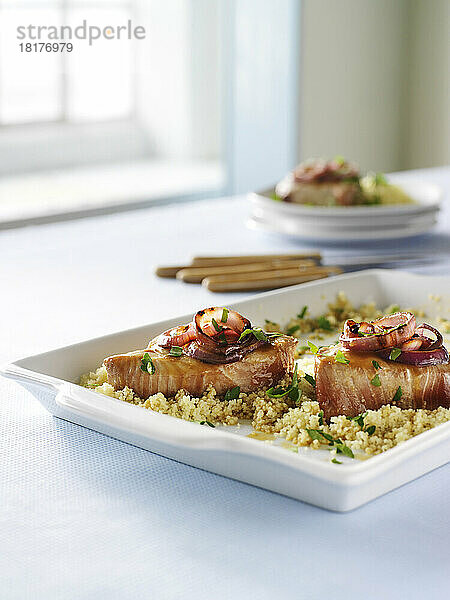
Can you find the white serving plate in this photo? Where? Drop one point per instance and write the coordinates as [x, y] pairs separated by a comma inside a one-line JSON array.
[[396, 219], [428, 198], [308, 475], [350, 222], [339, 232]]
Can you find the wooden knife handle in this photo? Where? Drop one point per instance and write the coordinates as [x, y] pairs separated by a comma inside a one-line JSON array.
[[197, 274], [256, 285], [169, 271], [275, 274], [208, 261]]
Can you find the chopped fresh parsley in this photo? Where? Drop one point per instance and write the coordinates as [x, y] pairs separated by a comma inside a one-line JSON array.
[[147, 364], [294, 394], [339, 357], [277, 392], [310, 379], [314, 349], [315, 434], [222, 338], [295, 375], [328, 437], [292, 391], [394, 308], [216, 326], [224, 318], [360, 420], [292, 329], [339, 160], [395, 353], [176, 351], [302, 313], [336, 461], [380, 179], [376, 381], [207, 423], [398, 394], [259, 334], [269, 322], [320, 415], [341, 448], [256, 331], [376, 365], [232, 393], [324, 323]]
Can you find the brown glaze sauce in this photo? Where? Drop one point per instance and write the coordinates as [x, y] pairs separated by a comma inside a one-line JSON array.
[[260, 435]]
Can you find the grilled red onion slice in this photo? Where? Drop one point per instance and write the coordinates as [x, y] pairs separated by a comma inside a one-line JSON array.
[[421, 350], [420, 332], [319, 171], [209, 323], [420, 358], [413, 344], [213, 336], [217, 337], [221, 355], [177, 336], [387, 332]]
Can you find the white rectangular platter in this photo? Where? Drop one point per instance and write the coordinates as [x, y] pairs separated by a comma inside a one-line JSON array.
[[308, 475]]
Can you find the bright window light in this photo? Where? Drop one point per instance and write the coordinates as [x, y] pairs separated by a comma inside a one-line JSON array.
[[114, 122], [91, 83], [100, 83], [31, 84]]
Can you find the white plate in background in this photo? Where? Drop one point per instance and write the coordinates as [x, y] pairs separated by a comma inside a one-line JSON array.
[[336, 232], [308, 475], [350, 222], [427, 196]]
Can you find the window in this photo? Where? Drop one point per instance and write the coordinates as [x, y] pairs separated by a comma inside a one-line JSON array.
[[186, 112], [86, 85]]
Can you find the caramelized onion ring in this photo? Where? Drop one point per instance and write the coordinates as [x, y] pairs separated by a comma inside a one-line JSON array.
[[211, 340], [413, 344], [177, 336], [221, 346], [228, 330], [421, 350], [387, 332], [420, 358], [425, 327], [225, 355]]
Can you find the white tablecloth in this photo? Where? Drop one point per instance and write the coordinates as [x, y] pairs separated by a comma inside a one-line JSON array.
[[86, 516]]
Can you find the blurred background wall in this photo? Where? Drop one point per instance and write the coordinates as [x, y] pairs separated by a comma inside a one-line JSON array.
[[374, 82], [427, 124]]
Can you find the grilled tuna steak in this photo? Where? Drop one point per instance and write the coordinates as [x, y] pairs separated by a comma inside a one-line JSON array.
[[347, 389], [322, 183], [262, 368], [320, 194]]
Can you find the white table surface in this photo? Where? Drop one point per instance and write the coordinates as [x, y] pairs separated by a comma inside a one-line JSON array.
[[86, 516]]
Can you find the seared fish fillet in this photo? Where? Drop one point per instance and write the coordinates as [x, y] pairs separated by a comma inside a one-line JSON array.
[[261, 368], [346, 389], [321, 194]]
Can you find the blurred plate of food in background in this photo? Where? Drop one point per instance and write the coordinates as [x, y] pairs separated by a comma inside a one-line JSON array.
[[333, 200]]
